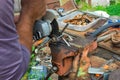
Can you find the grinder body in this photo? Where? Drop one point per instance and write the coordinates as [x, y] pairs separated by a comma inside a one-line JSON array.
[[41, 29]]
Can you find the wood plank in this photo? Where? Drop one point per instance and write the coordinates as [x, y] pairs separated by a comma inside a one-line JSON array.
[[108, 45]]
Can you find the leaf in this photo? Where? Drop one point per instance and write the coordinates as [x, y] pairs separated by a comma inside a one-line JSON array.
[[81, 72], [33, 48]]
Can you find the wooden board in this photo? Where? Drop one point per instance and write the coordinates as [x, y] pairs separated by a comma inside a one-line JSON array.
[[108, 45]]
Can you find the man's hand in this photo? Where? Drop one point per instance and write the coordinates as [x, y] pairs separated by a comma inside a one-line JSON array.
[[34, 8], [31, 11]]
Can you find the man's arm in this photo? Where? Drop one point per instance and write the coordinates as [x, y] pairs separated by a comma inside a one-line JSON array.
[[31, 11]]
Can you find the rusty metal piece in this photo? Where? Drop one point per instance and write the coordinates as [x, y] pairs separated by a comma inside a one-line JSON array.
[[38, 42], [114, 35], [85, 61], [109, 31], [81, 42], [75, 68], [62, 57], [105, 37], [116, 39]]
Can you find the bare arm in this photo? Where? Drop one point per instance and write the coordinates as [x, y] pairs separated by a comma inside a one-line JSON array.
[[31, 11]]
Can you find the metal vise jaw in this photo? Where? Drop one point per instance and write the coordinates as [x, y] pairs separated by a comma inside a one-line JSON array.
[[62, 57]]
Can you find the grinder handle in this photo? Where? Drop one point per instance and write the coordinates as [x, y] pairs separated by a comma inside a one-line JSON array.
[[102, 28]]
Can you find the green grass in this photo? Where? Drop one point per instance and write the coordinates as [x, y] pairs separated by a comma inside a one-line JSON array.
[[77, 1], [111, 10]]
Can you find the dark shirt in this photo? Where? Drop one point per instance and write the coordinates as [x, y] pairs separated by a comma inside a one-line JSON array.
[[14, 57]]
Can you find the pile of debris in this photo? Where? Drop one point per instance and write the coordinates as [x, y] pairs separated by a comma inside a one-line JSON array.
[[73, 57], [89, 62]]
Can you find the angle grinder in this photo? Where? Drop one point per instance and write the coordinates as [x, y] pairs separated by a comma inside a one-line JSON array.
[[43, 27]]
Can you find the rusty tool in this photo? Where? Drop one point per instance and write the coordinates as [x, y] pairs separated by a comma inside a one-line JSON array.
[[110, 30]]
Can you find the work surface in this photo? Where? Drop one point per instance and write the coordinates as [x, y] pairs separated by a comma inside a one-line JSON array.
[[104, 51], [106, 45]]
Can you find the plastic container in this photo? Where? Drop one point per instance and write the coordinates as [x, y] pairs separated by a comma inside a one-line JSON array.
[[38, 73], [77, 27]]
